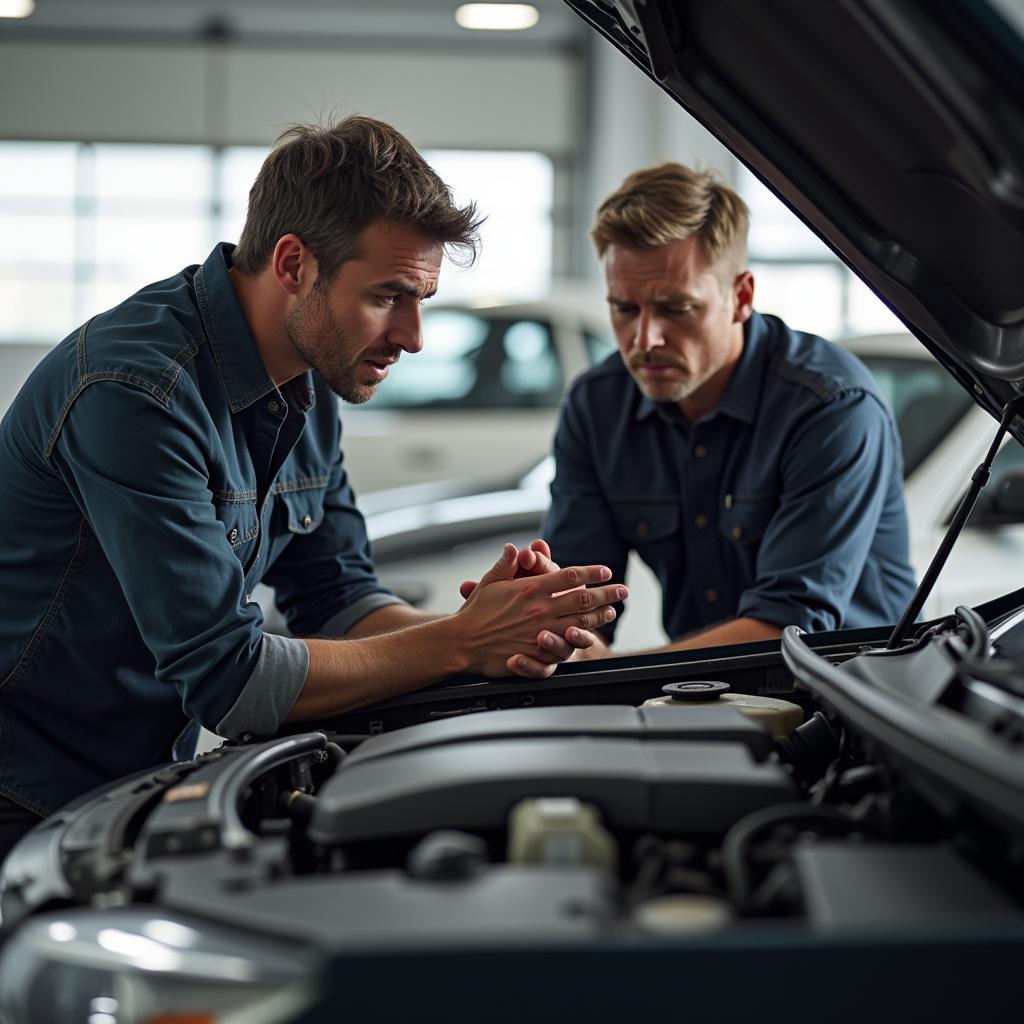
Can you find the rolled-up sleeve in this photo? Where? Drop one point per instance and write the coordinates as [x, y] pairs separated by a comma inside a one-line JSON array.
[[271, 690], [835, 477], [138, 468]]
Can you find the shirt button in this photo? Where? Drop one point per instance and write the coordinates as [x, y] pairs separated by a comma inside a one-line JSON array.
[[736, 532], [700, 451], [272, 406], [307, 521], [711, 595], [700, 522], [233, 534], [642, 528]]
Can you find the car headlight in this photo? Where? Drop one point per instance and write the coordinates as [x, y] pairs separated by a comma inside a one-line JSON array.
[[135, 965]]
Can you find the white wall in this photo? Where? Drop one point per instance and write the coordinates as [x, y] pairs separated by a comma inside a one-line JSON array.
[[220, 94], [598, 122]]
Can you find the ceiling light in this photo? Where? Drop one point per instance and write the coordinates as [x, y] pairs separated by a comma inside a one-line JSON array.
[[497, 17], [16, 8]]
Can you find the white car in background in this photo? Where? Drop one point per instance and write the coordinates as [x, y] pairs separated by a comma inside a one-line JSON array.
[[428, 542], [945, 437], [480, 401]]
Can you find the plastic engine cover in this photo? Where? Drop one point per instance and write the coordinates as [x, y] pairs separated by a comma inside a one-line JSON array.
[[677, 787], [606, 721]]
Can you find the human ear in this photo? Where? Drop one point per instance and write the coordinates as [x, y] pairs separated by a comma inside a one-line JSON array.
[[293, 265], [743, 297]]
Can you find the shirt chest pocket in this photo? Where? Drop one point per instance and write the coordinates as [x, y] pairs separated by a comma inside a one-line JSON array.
[[646, 524], [300, 510], [240, 524], [743, 520]]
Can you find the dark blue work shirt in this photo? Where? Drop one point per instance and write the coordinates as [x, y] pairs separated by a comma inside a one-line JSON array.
[[153, 474], [784, 503]]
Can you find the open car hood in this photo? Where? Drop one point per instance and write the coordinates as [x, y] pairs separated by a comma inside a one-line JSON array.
[[895, 130]]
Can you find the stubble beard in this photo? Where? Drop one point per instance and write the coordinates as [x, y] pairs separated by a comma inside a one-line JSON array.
[[667, 390], [321, 341]]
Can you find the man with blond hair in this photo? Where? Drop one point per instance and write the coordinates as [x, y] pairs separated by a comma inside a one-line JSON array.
[[754, 468]]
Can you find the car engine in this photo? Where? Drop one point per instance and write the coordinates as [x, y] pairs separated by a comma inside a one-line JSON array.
[[872, 790], [700, 807]]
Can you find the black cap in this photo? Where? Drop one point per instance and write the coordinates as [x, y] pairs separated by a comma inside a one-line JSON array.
[[703, 689], [447, 854]]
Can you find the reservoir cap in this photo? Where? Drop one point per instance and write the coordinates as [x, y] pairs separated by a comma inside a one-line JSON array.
[[704, 689]]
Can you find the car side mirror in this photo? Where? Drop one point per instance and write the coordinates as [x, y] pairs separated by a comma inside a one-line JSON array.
[[1003, 500]]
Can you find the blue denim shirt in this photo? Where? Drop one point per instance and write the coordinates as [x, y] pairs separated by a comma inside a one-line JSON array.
[[153, 474], [784, 503]]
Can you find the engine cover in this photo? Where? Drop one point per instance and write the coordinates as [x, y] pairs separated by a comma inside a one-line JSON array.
[[676, 787]]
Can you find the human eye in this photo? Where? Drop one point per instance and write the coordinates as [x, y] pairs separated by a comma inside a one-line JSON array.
[[389, 298]]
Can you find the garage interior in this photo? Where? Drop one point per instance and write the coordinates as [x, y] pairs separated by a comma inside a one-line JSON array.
[[204, 88], [845, 799]]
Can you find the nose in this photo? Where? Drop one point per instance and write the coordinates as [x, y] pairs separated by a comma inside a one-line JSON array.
[[648, 333], [406, 330]]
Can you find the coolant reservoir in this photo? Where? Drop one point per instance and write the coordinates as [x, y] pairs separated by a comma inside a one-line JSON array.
[[559, 830], [779, 717]]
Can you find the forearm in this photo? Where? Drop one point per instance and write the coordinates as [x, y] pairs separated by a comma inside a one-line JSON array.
[[499, 626], [734, 631], [350, 673], [388, 619]]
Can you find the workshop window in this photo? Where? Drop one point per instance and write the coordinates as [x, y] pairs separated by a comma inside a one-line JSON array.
[[87, 224], [798, 278], [515, 192]]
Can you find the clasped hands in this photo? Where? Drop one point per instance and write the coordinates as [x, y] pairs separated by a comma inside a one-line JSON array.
[[526, 589]]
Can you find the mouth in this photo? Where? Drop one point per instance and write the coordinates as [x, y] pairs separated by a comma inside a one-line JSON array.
[[657, 371], [379, 367]]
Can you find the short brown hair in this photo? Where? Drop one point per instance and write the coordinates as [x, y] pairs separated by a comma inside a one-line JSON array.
[[327, 184], [670, 202]]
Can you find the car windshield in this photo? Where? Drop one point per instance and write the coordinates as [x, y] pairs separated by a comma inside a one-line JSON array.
[[474, 361], [926, 401]]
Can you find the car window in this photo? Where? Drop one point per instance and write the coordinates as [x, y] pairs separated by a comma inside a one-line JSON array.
[[472, 361], [599, 346], [529, 366], [926, 401], [1010, 457]]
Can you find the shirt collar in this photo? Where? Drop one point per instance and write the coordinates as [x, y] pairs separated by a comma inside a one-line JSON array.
[[742, 393], [234, 350]]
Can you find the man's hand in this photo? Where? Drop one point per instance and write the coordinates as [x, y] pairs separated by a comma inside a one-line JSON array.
[[595, 651], [496, 632], [532, 561], [527, 625], [551, 649]]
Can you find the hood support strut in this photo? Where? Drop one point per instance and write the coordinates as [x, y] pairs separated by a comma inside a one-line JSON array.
[[979, 478]]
